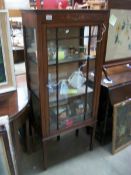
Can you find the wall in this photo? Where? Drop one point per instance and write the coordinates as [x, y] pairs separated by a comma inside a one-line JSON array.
[[119, 36]]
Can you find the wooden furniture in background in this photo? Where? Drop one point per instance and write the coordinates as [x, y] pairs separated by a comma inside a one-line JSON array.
[[16, 106], [18, 54], [112, 93], [16, 38], [2, 4], [14, 13], [56, 47]]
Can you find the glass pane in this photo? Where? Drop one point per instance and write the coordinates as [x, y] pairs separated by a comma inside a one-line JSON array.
[[68, 33], [52, 86], [51, 45], [93, 47], [71, 59], [71, 113], [31, 45], [94, 33], [90, 38], [52, 78]]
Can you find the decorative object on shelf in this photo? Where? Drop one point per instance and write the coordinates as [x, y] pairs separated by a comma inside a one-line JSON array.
[[38, 4], [7, 77], [50, 4], [64, 87], [121, 125], [62, 4], [77, 79], [92, 4], [55, 4]]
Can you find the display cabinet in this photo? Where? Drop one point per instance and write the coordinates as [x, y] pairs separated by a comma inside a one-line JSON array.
[[62, 48]]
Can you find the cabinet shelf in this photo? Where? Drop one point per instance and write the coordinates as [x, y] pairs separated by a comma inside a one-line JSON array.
[[71, 59], [70, 38], [63, 99], [82, 124]]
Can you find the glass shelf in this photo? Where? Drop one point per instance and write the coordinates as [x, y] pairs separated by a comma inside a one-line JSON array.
[[71, 59], [72, 93]]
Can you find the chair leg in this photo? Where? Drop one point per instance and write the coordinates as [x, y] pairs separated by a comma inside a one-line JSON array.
[[77, 132], [58, 138]]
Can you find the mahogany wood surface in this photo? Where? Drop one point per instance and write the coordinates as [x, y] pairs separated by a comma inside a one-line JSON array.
[[16, 106], [12, 104], [119, 75]]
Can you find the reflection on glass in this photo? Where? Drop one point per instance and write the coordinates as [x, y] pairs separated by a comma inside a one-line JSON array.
[[73, 44], [71, 32], [31, 46]]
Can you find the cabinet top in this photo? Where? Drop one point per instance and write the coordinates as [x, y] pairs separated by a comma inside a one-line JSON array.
[[65, 17], [66, 11]]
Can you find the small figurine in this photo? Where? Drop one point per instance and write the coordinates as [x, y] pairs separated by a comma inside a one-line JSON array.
[[62, 114], [62, 4]]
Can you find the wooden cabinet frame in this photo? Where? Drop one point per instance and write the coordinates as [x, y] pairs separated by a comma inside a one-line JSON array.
[[41, 20]]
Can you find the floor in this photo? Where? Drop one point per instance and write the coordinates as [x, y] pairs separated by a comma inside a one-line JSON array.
[[71, 156]]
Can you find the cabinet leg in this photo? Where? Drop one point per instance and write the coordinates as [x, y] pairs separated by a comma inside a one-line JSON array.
[[77, 133], [105, 123], [87, 130], [45, 154], [58, 138], [92, 135]]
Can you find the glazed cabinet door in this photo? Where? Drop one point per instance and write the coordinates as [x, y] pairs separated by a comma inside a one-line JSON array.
[[71, 59], [31, 59]]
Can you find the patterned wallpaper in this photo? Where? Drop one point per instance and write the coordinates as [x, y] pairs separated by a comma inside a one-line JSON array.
[[119, 35]]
